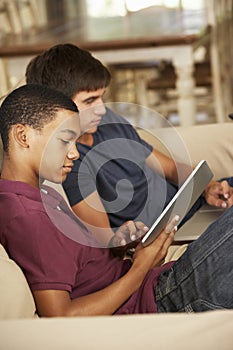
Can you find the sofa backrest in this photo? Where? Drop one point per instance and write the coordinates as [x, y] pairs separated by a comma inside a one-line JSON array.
[[212, 142], [16, 300]]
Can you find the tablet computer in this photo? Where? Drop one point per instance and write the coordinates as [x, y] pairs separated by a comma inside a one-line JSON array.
[[183, 200]]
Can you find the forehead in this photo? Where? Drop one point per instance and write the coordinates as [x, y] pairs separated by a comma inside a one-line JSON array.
[[83, 95], [65, 121]]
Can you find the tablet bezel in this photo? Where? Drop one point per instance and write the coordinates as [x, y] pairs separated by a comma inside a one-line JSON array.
[[201, 175]]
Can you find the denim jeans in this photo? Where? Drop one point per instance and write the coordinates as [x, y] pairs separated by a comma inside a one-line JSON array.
[[202, 279]]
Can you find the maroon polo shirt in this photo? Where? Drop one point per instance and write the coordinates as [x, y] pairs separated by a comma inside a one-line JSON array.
[[55, 251]]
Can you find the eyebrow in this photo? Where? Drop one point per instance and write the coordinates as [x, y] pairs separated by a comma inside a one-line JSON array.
[[69, 131], [93, 97]]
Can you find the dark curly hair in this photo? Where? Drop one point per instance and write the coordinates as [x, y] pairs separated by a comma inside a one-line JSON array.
[[33, 105]]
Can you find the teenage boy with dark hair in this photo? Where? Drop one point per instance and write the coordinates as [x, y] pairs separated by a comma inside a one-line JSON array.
[[67, 275], [118, 175]]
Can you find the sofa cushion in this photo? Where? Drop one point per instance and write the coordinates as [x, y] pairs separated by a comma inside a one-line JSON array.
[[16, 300], [212, 142]]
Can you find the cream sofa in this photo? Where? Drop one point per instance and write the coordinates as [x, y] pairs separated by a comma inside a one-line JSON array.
[[21, 329]]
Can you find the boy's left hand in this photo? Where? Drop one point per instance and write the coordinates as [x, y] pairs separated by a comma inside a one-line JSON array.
[[127, 237], [219, 194]]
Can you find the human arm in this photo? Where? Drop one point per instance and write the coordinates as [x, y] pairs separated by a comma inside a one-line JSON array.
[[219, 194], [51, 303], [173, 171], [93, 215]]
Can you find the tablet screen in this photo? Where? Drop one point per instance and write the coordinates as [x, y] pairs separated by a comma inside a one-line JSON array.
[[183, 200]]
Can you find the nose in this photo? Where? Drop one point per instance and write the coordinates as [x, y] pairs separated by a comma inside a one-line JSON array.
[[73, 153], [100, 109]]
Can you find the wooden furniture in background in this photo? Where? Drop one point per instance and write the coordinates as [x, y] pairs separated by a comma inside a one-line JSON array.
[[139, 37], [164, 88], [16, 18], [221, 21]]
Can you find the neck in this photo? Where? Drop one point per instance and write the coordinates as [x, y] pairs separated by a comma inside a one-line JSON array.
[[18, 172], [86, 139]]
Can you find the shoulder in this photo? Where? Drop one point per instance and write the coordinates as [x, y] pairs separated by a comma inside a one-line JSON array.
[[18, 203], [112, 116], [114, 125]]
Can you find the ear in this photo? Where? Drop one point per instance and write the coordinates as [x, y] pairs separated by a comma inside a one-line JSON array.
[[20, 134]]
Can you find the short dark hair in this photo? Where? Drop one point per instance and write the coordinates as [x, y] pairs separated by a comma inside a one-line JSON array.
[[68, 68], [33, 105]]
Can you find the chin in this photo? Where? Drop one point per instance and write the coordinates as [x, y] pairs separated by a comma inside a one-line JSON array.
[[92, 131], [63, 178], [58, 179]]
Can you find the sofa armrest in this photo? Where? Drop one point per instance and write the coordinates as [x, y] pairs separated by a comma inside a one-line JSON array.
[[212, 142], [207, 330]]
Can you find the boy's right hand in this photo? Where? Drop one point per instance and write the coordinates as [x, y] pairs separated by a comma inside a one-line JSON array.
[[154, 254], [127, 237]]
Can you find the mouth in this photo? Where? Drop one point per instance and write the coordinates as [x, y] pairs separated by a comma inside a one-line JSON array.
[[96, 122], [67, 168]]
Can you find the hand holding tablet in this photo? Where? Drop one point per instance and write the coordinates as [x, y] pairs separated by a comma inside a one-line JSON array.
[[182, 202], [172, 225]]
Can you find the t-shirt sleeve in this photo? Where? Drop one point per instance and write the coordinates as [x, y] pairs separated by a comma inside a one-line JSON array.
[[123, 128], [45, 255], [146, 144], [228, 179], [131, 133]]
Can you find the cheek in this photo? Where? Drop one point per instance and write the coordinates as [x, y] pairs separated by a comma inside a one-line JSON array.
[[87, 114], [54, 157], [52, 168], [57, 160], [86, 118]]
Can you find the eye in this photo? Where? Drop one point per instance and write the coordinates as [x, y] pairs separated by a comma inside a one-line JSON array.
[[90, 101], [64, 141]]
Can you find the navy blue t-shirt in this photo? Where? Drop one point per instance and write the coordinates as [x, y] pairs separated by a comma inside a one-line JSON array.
[[115, 167], [229, 180]]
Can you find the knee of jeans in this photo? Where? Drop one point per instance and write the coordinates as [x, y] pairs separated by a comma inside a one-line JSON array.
[[201, 305]]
